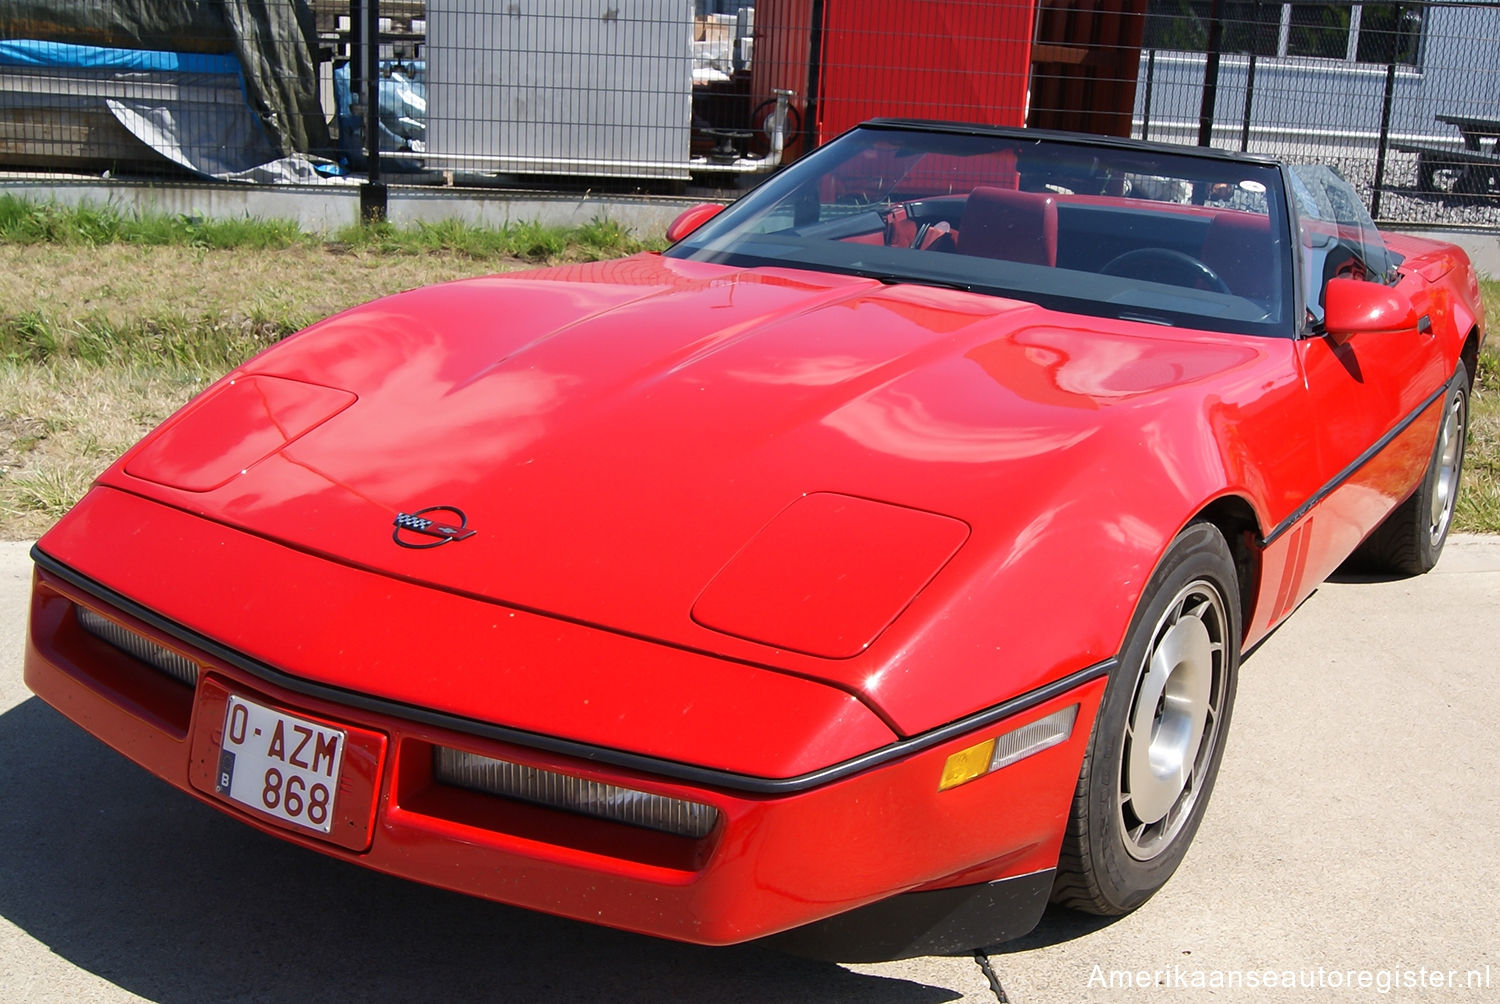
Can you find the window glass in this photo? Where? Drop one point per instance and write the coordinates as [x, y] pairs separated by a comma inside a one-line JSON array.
[[1389, 33], [1101, 229], [1339, 240], [1383, 32], [1183, 24], [1318, 30]]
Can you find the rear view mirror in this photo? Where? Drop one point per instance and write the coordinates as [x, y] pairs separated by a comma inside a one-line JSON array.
[[691, 219], [1352, 307]]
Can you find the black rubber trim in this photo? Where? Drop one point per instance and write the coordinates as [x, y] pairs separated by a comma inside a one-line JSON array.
[[709, 777], [1349, 472], [1027, 134], [933, 922]]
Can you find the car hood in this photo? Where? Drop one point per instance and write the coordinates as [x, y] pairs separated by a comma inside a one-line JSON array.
[[770, 464]]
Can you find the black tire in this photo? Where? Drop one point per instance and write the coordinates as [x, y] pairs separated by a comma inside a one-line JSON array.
[[1411, 538], [1182, 654]]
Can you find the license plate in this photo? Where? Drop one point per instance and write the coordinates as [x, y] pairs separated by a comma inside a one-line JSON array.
[[279, 764]]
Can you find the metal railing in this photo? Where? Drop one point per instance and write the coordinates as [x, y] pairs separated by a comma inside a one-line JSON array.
[[1403, 98]]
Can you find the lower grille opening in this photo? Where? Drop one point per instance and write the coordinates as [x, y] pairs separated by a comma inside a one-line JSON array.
[[174, 664], [676, 816], [514, 801]]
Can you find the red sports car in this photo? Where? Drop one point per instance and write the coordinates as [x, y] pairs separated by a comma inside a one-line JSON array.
[[868, 569]]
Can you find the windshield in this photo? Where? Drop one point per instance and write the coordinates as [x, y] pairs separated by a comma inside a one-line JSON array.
[[1098, 229]]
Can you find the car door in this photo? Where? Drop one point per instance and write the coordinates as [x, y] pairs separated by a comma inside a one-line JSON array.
[[1372, 397]]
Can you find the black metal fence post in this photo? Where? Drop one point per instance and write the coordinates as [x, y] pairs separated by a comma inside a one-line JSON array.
[[1249, 86], [814, 73], [1249, 101], [372, 194], [1385, 135], [1210, 76], [1146, 104]]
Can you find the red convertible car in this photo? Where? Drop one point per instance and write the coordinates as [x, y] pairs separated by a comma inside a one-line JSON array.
[[869, 569]]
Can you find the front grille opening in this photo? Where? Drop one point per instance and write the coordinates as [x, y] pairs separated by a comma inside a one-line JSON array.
[[174, 664], [676, 816]]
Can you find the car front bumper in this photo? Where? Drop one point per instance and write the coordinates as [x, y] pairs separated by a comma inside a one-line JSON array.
[[783, 854]]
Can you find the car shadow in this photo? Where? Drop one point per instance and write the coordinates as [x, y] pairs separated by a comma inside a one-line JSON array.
[[1362, 568], [1058, 924], [125, 877], [1356, 574]]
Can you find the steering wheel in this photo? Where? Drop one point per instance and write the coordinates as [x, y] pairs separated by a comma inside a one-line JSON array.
[[1166, 265]]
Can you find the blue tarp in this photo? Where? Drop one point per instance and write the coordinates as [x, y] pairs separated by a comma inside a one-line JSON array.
[[204, 129], [403, 113], [273, 45], [29, 52]]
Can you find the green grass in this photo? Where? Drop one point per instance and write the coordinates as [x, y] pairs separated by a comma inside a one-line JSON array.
[[531, 242], [26, 222], [1478, 508], [110, 320], [1489, 361], [50, 491], [172, 340]]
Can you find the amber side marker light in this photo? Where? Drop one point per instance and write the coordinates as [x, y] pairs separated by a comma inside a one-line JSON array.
[[1004, 750]]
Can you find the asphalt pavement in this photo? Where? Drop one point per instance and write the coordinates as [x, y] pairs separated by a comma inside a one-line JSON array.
[[1350, 852]]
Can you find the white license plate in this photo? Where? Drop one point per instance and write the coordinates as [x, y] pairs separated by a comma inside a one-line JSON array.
[[280, 764]]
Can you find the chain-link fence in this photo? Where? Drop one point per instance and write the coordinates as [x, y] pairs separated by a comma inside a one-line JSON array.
[[1403, 97], [226, 89]]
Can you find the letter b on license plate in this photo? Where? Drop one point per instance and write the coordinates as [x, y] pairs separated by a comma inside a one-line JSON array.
[[280, 764]]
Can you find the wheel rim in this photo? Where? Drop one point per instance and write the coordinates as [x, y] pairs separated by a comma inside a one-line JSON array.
[[1173, 725], [1450, 460]]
